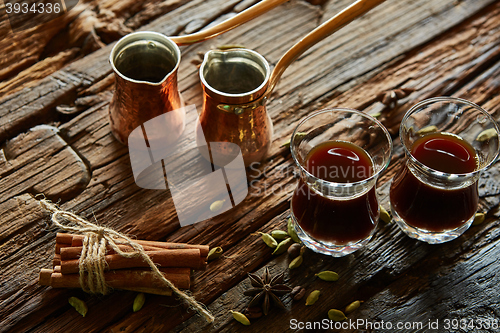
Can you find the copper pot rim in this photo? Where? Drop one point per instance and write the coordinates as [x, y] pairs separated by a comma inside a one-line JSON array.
[[134, 36], [241, 98]]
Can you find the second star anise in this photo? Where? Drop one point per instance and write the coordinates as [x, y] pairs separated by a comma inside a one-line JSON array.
[[266, 289]]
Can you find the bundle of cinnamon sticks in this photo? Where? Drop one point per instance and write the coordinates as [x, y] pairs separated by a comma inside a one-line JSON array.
[[175, 261]]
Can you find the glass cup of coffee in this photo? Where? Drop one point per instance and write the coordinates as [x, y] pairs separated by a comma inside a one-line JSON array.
[[339, 153], [448, 142]]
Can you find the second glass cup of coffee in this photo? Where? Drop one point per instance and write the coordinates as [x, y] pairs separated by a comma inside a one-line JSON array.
[[448, 142], [340, 154]]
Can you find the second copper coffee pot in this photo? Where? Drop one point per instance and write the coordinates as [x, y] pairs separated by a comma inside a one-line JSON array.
[[237, 83]]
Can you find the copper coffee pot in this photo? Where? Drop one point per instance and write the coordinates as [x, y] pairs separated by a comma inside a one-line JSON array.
[[237, 83], [145, 65]]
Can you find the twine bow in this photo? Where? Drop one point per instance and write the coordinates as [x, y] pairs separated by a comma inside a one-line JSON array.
[[92, 258]]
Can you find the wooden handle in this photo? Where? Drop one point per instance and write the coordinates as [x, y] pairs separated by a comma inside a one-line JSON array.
[[347, 15], [233, 22]]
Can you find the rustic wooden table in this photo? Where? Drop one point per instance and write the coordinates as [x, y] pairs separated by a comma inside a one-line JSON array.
[[55, 139]]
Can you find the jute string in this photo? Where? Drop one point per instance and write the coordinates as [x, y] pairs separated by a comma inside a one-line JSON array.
[[92, 259]]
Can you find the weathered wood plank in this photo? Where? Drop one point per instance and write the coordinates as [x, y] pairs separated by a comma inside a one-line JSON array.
[[41, 162], [86, 28]]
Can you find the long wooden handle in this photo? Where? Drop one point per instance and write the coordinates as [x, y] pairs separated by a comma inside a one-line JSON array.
[[243, 17], [347, 15]]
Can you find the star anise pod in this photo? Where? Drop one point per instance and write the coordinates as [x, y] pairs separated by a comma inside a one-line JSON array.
[[266, 289]]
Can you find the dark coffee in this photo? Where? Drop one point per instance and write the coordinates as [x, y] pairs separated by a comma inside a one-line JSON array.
[[430, 208], [145, 60], [332, 220]]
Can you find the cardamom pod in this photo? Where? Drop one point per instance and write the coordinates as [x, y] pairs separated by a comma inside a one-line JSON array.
[[217, 205], [269, 240], [283, 246], [375, 115], [478, 218], [486, 135], [240, 317], [427, 130], [313, 297], [138, 302], [285, 144], [291, 231], [214, 253], [384, 215], [352, 307], [336, 315], [328, 276], [79, 305], [279, 234], [298, 136], [296, 262]]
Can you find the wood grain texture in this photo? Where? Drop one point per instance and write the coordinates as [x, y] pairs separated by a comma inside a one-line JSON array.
[[398, 278], [39, 161]]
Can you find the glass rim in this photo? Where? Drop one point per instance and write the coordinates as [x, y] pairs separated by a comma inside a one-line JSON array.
[[351, 111], [435, 172]]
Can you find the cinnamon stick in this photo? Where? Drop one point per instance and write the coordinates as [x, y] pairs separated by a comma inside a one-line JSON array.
[[60, 246], [57, 260], [77, 240], [73, 252], [63, 238], [127, 278], [135, 280], [165, 258]]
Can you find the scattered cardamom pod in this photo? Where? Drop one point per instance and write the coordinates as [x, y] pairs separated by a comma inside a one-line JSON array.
[[336, 315], [313, 297], [214, 253], [384, 215], [253, 312], [79, 305], [231, 46], [138, 302], [296, 262], [291, 231], [283, 246], [279, 234], [240, 317], [298, 136], [217, 205], [328, 276], [294, 250], [352, 307], [285, 144], [297, 293], [478, 218], [269, 240], [486, 135], [427, 130], [375, 115]]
